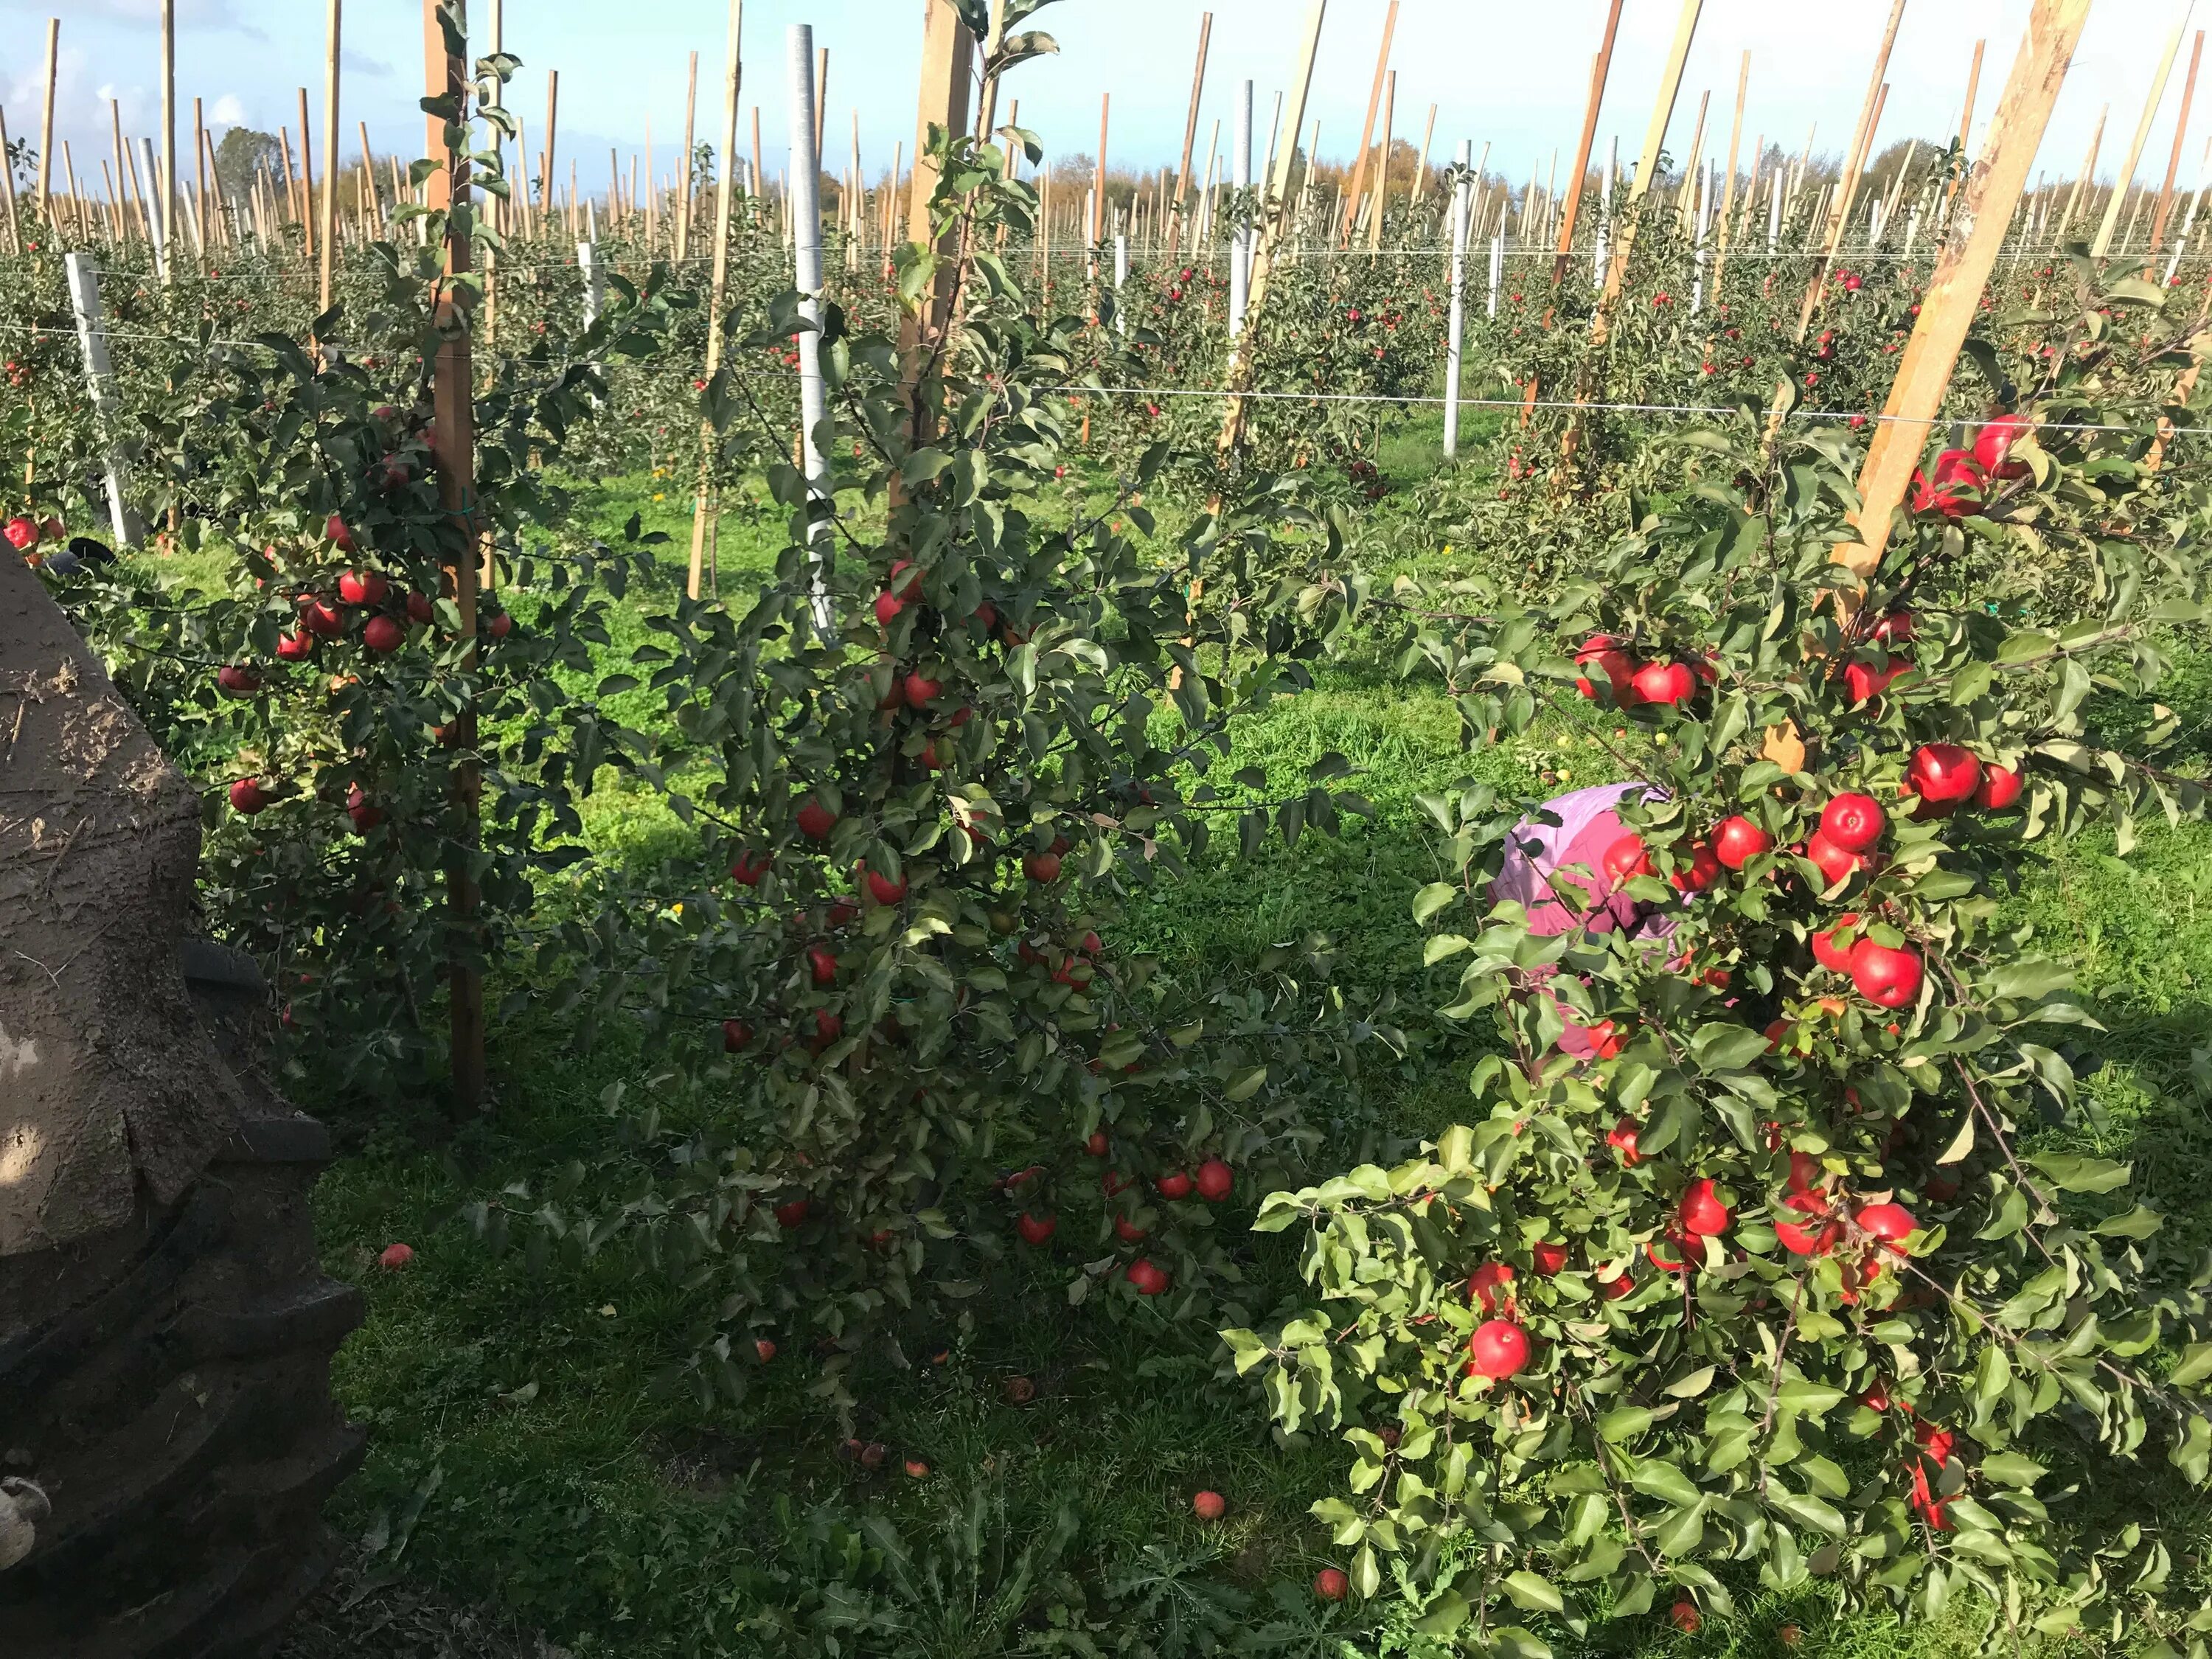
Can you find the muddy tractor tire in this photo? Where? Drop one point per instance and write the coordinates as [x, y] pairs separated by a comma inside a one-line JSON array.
[[167, 1434]]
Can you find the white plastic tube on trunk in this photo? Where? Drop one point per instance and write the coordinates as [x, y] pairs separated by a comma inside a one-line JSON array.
[[1462, 193], [100, 378], [1120, 277], [1497, 267], [587, 261], [807, 248], [1240, 245]]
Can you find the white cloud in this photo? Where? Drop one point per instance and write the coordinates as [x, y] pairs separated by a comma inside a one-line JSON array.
[[229, 112]]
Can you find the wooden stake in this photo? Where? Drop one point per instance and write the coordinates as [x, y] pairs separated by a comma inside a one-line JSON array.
[[653, 190], [1966, 125], [821, 93], [46, 125], [325, 270], [2104, 241], [2087, 179], [1189, 129], [1383, 166], [199, 179], [1655, 135], [947, 48], [1839, 213], [755, 159], [552, 122], [307, 182], [1367, 128], [2173, 162], [1098, 231], [683, 169], [732, 81], [1599, 70], [453, 412], [1962, 270], [1275, 224], [8, 187], [167, 182]]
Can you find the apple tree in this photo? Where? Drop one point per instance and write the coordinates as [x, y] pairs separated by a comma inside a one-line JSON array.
[[1780, 1250]]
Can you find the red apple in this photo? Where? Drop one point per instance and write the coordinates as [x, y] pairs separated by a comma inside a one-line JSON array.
[[828, 1028], [792, 1213], [294, 646], [814, 820], [1209, 1505], [22, 532], [239, 681], [1042, 866], [365, 815], [1943, 773], [1628, 858], [1670, 682], [1549, 1258], [334, 528], [1035, 1229], [1686, 1617], [362, 587], [1622, 1139], [1833, 863], [1863, 681], [1805, 1172], [736, 1036], [1999, 788], [1616, 664], [1498, 1349], [1993, 446], [919, 689], [1127, 1230], [1887, 977], [1827, 953], [1704, 869], [1490, 1286], [748, 869], [1854, 822], [1176, 1184], [1892, 628], [764, 1350], [1215, 1180], [1097, 1146], [396, 1256], [910, 589], [884, 890], [500, 625], [888, 605], [1146, 1278], [421, 608], [822, 964], [248, 797], [1737, 840], [1331, 1585], [1892, 1223], [384, 635], [323, 621], [1702, 1212]]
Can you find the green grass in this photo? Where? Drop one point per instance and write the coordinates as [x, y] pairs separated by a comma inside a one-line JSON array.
[[585, 1498]]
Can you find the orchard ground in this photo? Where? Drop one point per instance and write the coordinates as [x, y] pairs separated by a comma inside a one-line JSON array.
[[525, 1463]]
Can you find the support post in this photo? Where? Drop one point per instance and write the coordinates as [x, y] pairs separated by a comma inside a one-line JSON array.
[[1367, 129], [718, 291], [453, 412], [2102, 245], [168, 173], [2173, 161], [1240, 242], [326, 269], [46, 125], [1599, 71], [1969, 253], [813, 399], [1497, 262], [1189, 135], [1854, 164], [1460, 202], [99, 381], [587, 262]]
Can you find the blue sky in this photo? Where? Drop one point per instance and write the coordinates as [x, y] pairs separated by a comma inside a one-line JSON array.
[[1513, 74]]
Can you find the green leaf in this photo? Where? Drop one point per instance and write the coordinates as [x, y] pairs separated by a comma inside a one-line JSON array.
[[2011, 1469], [1433, 898], [1246, 1083], [1623, 1423], [2195, 1365], [1446, 1614], [1533, 1594], [2072, 1173]]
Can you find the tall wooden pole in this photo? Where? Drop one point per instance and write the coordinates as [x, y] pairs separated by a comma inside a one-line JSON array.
[[1096, 232], [46, 125], [1962, 270], [1839, 213], [1277, 207], [1728, 192], [1599, 71], [821, 95], [2157, 96], [552, 120], [325, 270], [947, 50], [2173, 161], [1382, 165], [2087, 179], [733, 77], [1966, 124], [170, 241], [208, 221], [7, 189], [307, 179], [1655, 135], [683, 170], [445, 76], [1189, 129], [1367, 127]]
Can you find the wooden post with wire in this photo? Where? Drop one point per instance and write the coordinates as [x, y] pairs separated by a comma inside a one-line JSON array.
[[704, 504], [1366, 131], [1727, 192], [1599, 71], [1189, 131], [1962, 270], [306, 181], [46, 125], [2173, 161], [447, 79], [683, 167], [1839, 212], [1966, 126], [2103, 244], [167, 182], [947, 50], [324, 269]]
